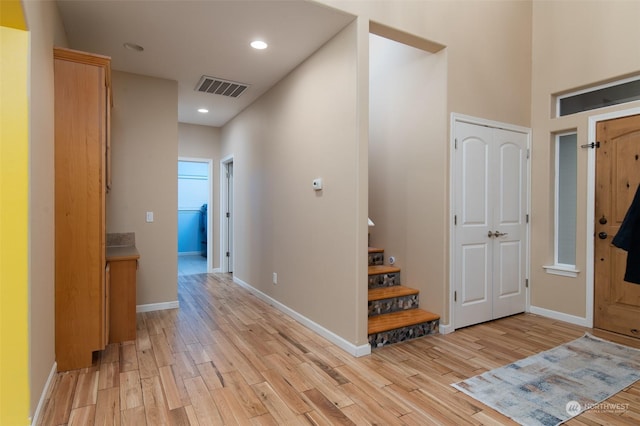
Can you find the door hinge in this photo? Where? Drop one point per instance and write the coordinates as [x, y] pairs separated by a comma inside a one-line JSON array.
[[455, 219], [528, 153], [455, 143], [455, 296], [227, 254], [526, 282], [527, 217], [228, 214], [591, 145]]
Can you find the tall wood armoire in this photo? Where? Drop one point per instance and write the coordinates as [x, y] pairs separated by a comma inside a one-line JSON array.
[[82, 105]]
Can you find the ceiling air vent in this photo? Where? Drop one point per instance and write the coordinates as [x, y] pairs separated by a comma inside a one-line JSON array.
[[218, 86]]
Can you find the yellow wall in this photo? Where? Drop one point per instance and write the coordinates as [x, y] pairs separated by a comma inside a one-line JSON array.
[[14, 356], [11, 14]]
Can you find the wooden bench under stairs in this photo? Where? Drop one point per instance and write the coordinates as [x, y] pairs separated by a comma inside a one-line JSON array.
[[394, 315]]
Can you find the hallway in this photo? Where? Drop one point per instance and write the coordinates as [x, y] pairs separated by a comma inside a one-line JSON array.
[[226, 357]]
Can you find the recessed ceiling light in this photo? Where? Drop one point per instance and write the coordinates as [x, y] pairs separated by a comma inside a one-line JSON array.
[[259, 44], [133, 46], [203, 110]]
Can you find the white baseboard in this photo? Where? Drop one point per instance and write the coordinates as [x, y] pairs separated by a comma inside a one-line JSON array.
[[445, 328], [158, 306], [215, 271], [45, 392], [561, 316], [349, 347]]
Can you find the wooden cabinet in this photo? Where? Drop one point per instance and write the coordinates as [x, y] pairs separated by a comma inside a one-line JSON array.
[[123, 265], [82, 94]]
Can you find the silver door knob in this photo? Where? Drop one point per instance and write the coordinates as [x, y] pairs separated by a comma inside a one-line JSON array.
[[500, 234]]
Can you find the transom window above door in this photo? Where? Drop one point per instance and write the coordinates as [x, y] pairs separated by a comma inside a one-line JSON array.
[[604, 95]]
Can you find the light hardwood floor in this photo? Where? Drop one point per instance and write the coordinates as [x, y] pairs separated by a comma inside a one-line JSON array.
[[226, 357]]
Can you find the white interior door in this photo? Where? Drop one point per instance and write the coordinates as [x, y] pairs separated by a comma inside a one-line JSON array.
[[230, 217], [490, 203]]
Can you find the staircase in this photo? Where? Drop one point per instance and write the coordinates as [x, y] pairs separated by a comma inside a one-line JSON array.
[[394, 315]]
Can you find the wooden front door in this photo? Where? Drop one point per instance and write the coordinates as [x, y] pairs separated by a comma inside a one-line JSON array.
[[617, 303]]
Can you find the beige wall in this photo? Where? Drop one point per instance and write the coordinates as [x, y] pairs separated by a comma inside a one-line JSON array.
[[144, 142], [408, 159], [46, 31], [488, 46], [487, 57], [195, 141], [571, 50], [304, 128], [282, 142]]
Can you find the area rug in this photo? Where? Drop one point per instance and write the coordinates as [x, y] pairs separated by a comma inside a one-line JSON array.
[[553, 386]]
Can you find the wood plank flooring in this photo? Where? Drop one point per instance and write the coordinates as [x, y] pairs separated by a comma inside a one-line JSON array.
[[226, 357]]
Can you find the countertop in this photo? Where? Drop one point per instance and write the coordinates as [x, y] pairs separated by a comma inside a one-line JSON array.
[[115, 253]]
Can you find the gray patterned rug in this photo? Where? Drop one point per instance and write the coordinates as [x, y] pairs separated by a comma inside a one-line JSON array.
[[553, 386]]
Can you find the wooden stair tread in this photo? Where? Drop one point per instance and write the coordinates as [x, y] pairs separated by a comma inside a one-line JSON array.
[[375, 250], [386, 322], [390, 292], [382, 269]]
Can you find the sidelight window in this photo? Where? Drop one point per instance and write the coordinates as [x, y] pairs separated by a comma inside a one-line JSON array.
[[565, 205], [566, 180]]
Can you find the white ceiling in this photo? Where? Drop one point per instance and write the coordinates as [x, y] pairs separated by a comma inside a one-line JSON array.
[[184, 40]]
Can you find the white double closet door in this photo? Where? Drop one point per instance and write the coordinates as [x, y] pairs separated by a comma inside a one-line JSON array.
[[490, 231]]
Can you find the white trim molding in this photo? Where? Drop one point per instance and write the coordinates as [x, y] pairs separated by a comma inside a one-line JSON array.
[[224, 199], [345, 345], [158, 306], [560, 316], [45, 391], [565, 271], [446, 328]]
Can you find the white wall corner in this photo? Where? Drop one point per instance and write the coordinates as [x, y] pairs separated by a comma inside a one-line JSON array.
[[354, 350], [45, 391], [158, 306]]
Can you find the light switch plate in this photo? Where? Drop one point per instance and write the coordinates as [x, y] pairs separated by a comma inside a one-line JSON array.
[[149, 217]]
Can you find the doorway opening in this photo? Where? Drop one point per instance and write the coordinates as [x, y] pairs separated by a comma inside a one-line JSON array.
[[226, 215], [195, 253]]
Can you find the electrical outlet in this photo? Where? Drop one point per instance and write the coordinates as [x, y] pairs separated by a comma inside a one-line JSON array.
[[275, 278]]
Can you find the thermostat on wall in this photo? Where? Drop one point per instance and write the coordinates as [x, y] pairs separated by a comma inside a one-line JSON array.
[[317, 184]]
